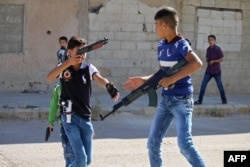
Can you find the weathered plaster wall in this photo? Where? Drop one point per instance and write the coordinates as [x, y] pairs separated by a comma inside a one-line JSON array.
[[27, 70]]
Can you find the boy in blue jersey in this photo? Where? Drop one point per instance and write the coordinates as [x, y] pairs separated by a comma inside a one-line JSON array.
[[177, 102]]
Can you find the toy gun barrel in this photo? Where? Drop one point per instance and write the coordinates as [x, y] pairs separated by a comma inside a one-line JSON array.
[[93, 46]]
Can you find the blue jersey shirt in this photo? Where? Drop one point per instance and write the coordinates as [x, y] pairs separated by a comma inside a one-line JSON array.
[[170, 53]]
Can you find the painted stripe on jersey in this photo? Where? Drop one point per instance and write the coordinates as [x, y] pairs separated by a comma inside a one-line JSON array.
[[168, 63]]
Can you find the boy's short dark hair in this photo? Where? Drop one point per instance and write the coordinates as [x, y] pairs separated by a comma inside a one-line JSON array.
[[63, 38], [169, 16], [212, 36], [76, 42]]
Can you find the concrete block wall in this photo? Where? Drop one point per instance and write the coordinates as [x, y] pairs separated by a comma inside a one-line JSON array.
[[133, 35], [44, 22], [232, 21], [225, 24], [129, 26]]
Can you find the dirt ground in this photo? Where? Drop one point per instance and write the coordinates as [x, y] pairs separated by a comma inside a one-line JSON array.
[[120, 141]]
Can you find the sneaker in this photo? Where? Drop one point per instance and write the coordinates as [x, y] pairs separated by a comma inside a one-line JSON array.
[[197, 102]]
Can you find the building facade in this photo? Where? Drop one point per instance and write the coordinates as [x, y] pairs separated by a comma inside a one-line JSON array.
[[30, 31]]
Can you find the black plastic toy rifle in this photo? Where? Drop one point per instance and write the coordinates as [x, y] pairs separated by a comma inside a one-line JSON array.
[[93, 46], [47, 134], [148, 87]]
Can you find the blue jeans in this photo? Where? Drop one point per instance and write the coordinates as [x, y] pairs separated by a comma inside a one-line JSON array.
[[67, 149], [180, 108], [206, 79], [80, 135]]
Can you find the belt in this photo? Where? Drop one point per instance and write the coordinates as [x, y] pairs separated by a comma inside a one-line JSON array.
[[184, 96]]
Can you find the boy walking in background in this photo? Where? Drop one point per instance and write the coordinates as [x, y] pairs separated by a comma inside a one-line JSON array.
[[214, 57]]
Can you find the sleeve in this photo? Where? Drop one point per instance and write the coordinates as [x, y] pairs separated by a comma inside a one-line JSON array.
[[220, 53], [207, 54], [54, 105], [58, 56], [185, 48], [159, 50], [92, 70]]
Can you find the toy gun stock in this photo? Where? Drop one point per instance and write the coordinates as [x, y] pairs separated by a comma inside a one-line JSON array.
[[148, 87], [93, 46]]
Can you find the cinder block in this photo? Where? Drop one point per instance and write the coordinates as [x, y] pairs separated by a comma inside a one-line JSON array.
[[130, 8], [235, 39], [230, 15], [204, 21], [96, 26], [188, 27], [111, 63], [128, 45], [204, 29], [190, 10], [122, 36], [216, 14], [144, 45], [238, 16], [229, 23], [217, 22], [229, 30], [203, 13], [217, 30], [137, 36], [113, 45], [132, 27], [132, 18], [120, 54], [111, 26]]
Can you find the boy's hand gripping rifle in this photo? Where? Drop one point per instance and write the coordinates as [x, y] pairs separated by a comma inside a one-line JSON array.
[[93, 46], [148, 87]]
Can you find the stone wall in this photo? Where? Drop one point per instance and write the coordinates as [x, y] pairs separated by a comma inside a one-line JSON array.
[[129, 26], [234, 43]]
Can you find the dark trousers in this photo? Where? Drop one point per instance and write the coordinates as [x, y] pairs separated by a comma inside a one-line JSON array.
[[206, 79]]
